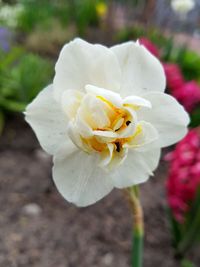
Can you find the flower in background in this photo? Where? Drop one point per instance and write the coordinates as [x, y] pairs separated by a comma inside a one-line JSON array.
[[175, 79], [184, 174], [105, 118], [150, 46], [9, 14], [101, 9], [5, 39], [182, 6], [188, 95]]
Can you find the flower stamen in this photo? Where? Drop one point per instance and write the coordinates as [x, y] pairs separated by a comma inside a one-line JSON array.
[[118, 148]]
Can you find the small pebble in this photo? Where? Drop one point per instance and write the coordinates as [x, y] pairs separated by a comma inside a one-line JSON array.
[[32, 209], [108, 259]]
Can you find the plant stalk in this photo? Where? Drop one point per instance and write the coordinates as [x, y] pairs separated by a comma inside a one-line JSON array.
[[138, 227]]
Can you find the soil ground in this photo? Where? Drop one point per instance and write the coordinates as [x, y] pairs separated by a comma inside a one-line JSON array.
[[40, 229]]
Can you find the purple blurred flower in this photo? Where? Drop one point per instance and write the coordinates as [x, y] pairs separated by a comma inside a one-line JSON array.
[[5, 39]]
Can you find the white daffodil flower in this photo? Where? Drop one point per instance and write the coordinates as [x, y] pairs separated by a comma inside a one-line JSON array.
[[105, 119], [182, 6]]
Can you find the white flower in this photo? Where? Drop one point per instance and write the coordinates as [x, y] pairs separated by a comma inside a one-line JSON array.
[[9, 14], [182, 6], [105, 119]]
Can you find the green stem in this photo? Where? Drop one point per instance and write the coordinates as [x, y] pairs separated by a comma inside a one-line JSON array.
[[191, 235], [137, 249], [138, 227]]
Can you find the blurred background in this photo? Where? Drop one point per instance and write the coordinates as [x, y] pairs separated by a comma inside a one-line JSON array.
[[39, 228]]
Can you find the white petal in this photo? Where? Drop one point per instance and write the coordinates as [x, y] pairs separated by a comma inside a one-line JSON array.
[[82, 63], [79, 179], [136, 101], [71, 100], [82, 126], [48, 120], [106, 156], [118, 158], [118, 124], [94, 112], [130, 129], [167, 116], [73, 133], [108, 134], [111, 96], [141, 71], [148, 135], [137, 168]]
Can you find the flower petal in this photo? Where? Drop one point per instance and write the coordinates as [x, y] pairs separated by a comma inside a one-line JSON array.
[[130, 129], [141, 71], [95, 112], [117, 159], [148, 135], [111, 96], [108, 134], [83, 127], [167, 116], [136, 101], [82, 63], [106, 156], [73, 133], [71, 100], [137, 168], [48, 120], [84, 185]]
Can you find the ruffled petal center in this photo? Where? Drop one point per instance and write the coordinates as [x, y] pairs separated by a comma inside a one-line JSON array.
[[102, 122]]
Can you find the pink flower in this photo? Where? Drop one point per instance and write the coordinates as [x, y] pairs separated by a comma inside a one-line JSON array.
[[184, 174], [150, 46], [175, 79], [188, 95]]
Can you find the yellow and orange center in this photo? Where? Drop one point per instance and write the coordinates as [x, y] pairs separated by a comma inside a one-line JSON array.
[[119, 120]]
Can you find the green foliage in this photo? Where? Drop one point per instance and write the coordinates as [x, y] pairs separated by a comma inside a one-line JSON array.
[[195, 118], [23, 75], [187, 233], [187, 263], [128, 34], [41, 13], [190, 63], [139, 31], [82, 13], [2, 122], [176, 228], [85, 14]]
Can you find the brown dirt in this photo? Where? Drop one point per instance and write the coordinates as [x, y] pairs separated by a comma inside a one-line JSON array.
[[59, 234]]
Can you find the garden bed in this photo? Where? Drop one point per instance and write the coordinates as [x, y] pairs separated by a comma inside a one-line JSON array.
[[52, 232]]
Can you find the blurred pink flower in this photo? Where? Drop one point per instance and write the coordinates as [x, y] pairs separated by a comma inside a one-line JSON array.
[[175, 79], [150, 46], [188, 95], [184, 174]]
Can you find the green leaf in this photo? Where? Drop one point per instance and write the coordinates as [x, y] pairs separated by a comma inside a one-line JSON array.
[[12, 106], [187, 263], [23, 80], [2, 122], [176, 229], [195, 118], [192, 230]]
